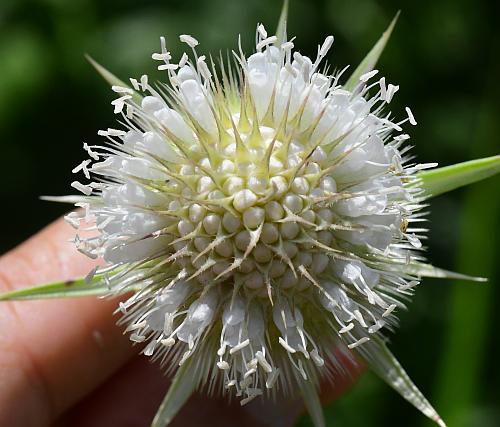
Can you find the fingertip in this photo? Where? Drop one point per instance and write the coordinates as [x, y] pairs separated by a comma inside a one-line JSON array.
[[47, 256], [67, 347]]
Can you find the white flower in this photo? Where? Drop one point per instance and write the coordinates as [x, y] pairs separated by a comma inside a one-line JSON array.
[[260, 213]]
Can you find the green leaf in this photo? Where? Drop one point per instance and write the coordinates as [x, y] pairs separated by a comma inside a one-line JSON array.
[[312, 402], [428, 270], [71, 288], [385, 365], [111, 78], [371, 59], [281, 29], [182, 387], [441, 180], [469, 311]]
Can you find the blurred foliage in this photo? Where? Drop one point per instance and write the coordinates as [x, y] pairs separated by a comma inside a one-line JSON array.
[[443, 53]]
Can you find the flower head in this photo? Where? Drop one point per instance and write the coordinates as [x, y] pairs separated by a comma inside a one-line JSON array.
[[264, 216]]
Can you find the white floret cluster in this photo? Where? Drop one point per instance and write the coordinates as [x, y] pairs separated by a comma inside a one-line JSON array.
[[260, 213]]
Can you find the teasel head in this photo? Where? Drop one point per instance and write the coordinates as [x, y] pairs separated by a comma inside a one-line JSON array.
[[262, 217]]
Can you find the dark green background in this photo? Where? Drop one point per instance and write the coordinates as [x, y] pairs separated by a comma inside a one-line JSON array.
[[444, 54]]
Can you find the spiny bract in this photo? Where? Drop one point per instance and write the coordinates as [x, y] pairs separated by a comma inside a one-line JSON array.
[[264, 216]]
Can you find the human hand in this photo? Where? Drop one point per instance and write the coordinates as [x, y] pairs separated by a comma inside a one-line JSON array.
[[66, 363]]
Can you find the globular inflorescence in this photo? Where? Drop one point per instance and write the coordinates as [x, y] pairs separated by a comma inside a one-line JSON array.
[[263, 215]]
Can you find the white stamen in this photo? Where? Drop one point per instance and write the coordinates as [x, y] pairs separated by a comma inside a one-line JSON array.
[[204, 71], [119, 103], [346, 328], [163, 44], [135, 84], [250, 372], [263, 362], [317, 359], [73, 219], [102, 165], [162, 56], [168, 324], [266, 42], [169, 342], [262, 31], [411, 118], [357, 314], [82, 166], [85, 189], [137, 338], [91, 153], [239, 347], [327, 44], [367, 76], [144, 82], [223, 365], [383, 88], [389, 310], [189, 40], [375, 328], [391, 90], [167, 67], [358, 343], [285, 345], [402, 137], [183, 61], [136, 326], [122, 89]]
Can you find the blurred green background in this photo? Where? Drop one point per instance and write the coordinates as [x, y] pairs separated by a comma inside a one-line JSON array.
[[444, 54]]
